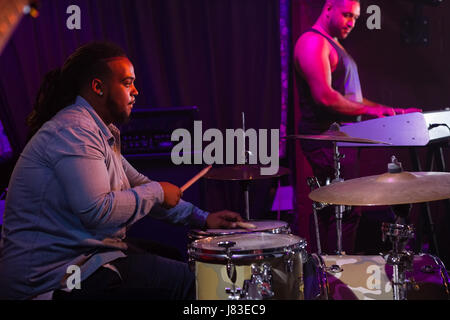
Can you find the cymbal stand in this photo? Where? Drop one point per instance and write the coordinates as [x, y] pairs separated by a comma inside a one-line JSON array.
[[313, 184], [245, 184], [400, 259], [339, 209]]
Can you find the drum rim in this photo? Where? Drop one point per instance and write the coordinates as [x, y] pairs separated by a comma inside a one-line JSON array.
[[276, 230]]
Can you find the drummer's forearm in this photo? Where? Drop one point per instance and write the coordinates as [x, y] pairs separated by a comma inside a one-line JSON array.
[[184, 213]]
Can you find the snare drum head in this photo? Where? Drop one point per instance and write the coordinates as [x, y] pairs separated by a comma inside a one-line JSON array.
[[257, 243], [274, 226]]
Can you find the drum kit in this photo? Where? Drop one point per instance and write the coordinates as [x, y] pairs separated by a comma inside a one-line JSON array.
[[268, 262]]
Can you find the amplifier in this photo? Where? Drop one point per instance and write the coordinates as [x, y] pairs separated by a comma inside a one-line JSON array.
[[148, 132]]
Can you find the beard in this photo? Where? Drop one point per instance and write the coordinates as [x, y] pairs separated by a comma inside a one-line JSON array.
[[119, 114]]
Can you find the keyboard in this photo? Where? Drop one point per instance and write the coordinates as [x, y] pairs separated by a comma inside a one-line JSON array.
[[412, 129]]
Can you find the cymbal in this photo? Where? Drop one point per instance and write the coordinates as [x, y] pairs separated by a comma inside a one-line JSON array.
[[242, 172], [336, 136], [386, 189]]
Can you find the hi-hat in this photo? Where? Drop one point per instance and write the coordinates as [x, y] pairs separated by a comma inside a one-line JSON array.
[[337, 136], [334, 134], [242, 172], [386, 189]]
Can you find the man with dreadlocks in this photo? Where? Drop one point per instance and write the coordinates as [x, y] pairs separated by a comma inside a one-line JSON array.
[[72, 195]]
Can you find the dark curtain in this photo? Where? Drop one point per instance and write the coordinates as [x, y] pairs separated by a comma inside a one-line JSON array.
[[220, 55]]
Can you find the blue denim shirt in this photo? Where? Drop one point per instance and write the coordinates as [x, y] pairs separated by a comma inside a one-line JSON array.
[[70, 200]]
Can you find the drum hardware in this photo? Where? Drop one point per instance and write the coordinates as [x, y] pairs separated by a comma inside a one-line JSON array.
[[289, 259], [259, 287], [245, 186], [334, 134], [234, 293], [399, 189], [399, 258], [313, 184], [339, 210], [334, 269]]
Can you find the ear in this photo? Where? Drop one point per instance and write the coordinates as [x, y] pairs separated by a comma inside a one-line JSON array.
[[97, 86]]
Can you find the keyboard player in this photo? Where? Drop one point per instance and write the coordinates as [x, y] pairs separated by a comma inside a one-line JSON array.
[[330, 91]]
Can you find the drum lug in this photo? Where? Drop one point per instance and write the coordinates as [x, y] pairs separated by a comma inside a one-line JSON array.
[[191, 264], [234, 293], [191, 260], [289, 259]]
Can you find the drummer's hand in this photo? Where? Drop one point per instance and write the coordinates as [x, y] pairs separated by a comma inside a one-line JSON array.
[[222, 219], [407, 110], [172, 195]]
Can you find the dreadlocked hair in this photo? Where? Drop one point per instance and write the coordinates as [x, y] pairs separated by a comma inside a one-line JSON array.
[[61, 86]]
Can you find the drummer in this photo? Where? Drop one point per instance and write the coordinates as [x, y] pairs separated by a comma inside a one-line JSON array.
[[72, 196], [330, 91]]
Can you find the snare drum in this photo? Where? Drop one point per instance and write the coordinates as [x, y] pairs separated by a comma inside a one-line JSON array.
[[263, 265], [369, 278], [270, 226]]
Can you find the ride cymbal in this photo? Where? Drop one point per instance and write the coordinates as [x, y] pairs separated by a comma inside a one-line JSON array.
[[386, 189]]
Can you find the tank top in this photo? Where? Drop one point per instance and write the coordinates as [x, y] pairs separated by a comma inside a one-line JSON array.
[[345, 80]]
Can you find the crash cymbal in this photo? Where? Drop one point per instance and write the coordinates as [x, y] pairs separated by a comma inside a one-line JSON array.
[[242, 172], [386, 189]]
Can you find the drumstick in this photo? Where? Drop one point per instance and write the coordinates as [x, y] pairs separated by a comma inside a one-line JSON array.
[[195, 178], [245, 225]]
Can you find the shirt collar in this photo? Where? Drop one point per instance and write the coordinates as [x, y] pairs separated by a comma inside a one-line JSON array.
[[106, 130]]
